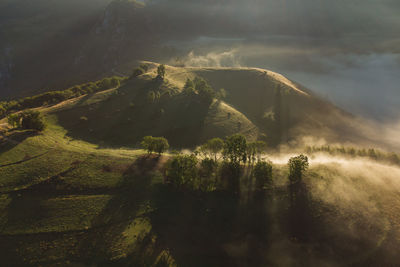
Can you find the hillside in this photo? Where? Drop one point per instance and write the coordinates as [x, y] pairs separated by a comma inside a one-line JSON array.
[[259, 104], [82, 192], [67, 202]]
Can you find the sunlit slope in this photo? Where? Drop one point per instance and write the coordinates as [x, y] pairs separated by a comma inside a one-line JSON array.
[[67, 201], [123, 117], [259, 104], [57, 194], [260, 94]]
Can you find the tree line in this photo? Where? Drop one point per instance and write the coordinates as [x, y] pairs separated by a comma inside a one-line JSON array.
[[55, 97], [370, 153], [220, 164]]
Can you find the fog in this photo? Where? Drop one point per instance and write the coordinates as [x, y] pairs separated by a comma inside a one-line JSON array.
[[364, 193]]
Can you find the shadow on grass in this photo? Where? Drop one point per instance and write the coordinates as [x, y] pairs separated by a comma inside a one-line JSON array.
[[16, 137], [127, 117], [133, 193]]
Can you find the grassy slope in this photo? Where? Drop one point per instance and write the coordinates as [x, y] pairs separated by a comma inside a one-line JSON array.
[[128, 110], [55, 189], [248, 109], [66, 201]]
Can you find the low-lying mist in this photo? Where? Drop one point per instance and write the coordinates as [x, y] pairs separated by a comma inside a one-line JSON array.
[[362, 200]]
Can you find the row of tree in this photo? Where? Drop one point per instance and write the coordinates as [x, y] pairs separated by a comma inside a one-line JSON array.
[[371, 153], [55, 97], [234, 149], [221, 163], [199, 87]]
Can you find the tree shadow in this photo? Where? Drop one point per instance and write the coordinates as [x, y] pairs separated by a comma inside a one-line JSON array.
[[14, 138], [133, 191], [125, 118], [194, 226]]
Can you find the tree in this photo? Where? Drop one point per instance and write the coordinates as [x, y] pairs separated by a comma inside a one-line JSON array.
[[14, 120], [263, 174], [208, 166], [221, 94], [32, 120], [161, 71], [297, 166], [155, 144], [277, 111], [260, 147], [394, 158], [151, 97], [212, 147], [137, 72], [251, 152], [235, 148], [189, 89], [160, 145], [182, 170], [148, 144], [230, 175], [2, 110], [144, 67], [372, 154], [204, 90], [215, 146]]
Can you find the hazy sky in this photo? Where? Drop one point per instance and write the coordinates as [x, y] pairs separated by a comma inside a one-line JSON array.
[[347, 51]]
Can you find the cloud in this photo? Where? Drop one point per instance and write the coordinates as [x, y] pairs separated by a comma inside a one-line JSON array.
[[213, 59]]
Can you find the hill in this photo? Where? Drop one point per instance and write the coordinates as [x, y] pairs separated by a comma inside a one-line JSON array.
[[260, 104], [82, 193]]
